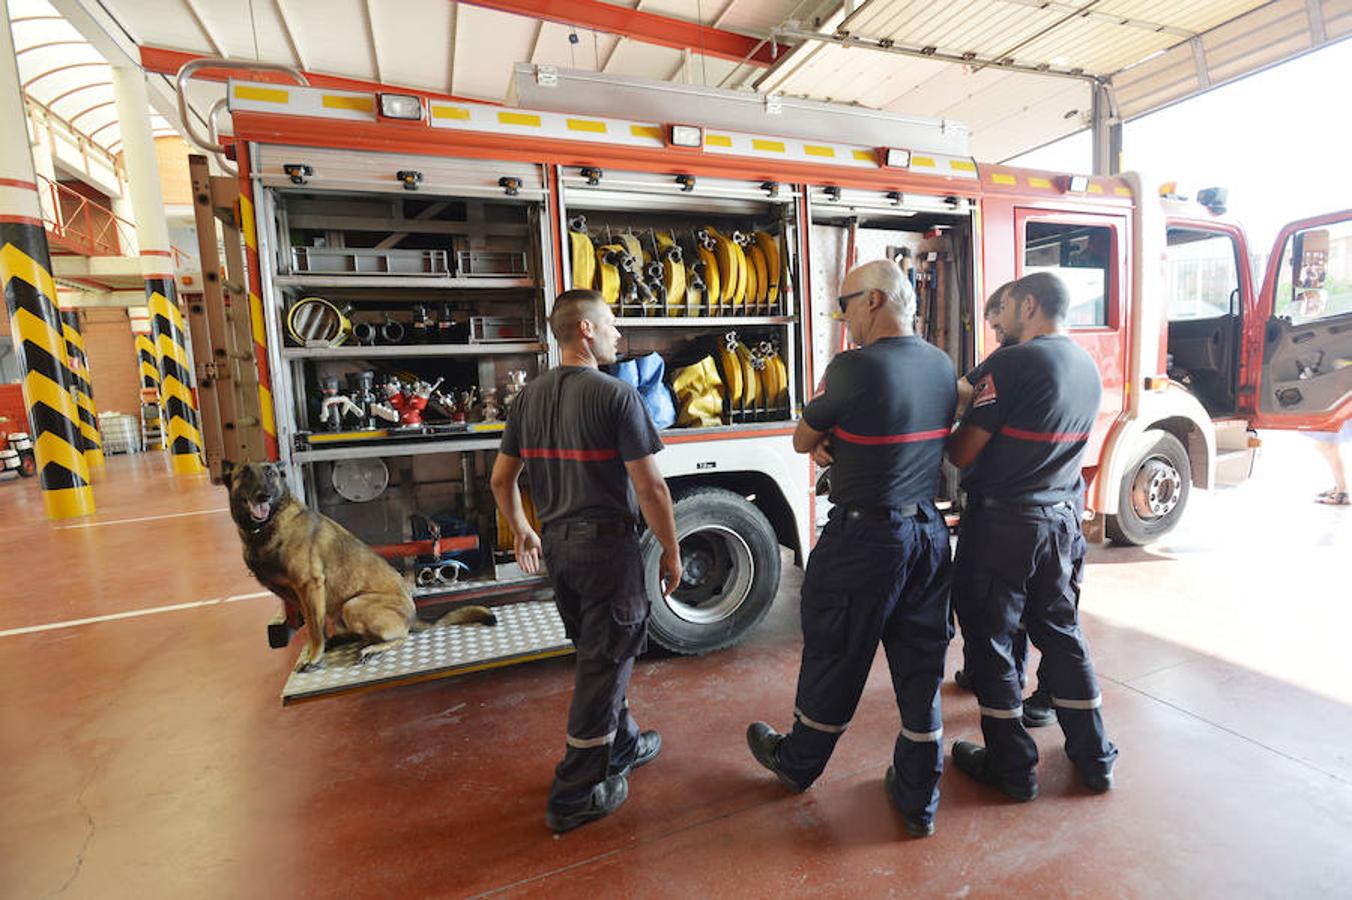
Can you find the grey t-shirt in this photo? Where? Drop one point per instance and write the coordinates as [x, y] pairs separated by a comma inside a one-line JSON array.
[[575, 428]]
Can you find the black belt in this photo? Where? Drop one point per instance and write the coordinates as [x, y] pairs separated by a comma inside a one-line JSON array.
[[1016, 505], [590, 529], [881, 512]]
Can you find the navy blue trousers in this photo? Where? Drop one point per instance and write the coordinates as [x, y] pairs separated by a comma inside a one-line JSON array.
[[875, 577], [598, 589], [1025, 566]]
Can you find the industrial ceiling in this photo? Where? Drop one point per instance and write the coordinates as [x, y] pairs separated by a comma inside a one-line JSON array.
[[1018, 73]]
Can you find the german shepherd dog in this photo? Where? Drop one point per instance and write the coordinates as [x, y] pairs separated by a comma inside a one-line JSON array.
[[322, 569]]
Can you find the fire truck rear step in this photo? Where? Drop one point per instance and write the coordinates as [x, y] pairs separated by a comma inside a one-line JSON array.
[[525, 632]]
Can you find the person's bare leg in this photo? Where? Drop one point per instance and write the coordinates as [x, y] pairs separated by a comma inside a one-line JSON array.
[[1332, 454]]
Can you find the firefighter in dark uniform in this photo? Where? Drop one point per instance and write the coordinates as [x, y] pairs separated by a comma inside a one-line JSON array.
[[880, 570], [1020, 547], [586, 442], [1037, 710]]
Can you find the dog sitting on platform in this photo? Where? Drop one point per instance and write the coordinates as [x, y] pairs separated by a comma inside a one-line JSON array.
[[315, 565]]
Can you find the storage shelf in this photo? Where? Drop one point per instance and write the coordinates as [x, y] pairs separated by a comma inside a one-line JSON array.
[[410, 350], [699, 321], [482, 282], [377, 447]]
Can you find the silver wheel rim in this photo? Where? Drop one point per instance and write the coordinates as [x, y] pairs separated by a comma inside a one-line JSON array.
[[719, 571], [1156, 489]]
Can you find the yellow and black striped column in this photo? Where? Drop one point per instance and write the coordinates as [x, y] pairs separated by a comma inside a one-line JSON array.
[[178, 409], [35, 324], [149, 362], [82, 387]]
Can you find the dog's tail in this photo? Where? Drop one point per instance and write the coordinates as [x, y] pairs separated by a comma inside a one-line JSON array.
[[462, 615]]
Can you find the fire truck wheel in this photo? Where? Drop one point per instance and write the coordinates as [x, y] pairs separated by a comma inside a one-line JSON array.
[[730, 562], [1154, 491]]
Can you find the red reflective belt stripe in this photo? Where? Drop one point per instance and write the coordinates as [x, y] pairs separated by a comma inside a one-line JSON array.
[[908, 438], [573, 455], [1047, 437]]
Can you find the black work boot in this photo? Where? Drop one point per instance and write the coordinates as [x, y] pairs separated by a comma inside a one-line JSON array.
[[646, 748], [971, 760], [1099, 784], [764, 742], [604, 799], [1038, 710], [918, 825]]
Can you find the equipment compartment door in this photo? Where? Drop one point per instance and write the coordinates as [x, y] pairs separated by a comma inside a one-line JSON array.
[[1298, 372]]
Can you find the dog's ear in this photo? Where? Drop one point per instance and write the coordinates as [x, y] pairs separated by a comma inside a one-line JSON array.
[[227, 475]]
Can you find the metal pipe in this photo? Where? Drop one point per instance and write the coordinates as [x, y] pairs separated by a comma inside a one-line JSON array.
[[214, 62], [224, 161]]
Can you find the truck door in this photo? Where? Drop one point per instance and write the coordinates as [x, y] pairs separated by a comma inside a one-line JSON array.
[[1088, 251], [1298, 352]]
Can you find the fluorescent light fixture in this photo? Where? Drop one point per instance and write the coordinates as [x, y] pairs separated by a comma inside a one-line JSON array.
[[685, 136], [1078, 184], [401, 106], [895, 158]]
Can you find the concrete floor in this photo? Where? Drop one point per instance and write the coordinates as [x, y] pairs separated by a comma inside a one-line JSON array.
[[148, 756]]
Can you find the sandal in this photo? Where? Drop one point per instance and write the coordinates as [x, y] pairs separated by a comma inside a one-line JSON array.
[[1322, 494], [1333, 498]]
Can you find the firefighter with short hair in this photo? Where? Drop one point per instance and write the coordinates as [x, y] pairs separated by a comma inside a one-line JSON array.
[[587, 445], [880, 570], [1021, 550]]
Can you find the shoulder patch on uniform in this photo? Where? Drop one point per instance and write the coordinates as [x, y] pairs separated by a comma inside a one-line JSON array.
[[983, 392]]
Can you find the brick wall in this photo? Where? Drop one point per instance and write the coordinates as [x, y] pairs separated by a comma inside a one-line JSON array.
[[112, 360]]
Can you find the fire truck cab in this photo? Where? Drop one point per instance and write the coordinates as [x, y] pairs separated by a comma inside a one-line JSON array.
[[414, 243]]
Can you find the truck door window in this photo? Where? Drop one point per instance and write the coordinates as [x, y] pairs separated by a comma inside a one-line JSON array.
[[1080, 254], [1315, 279], [1201, 275]]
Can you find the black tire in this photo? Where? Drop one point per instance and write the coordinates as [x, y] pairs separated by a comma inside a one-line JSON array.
[[1154, 491], [28, 463], [731, 559]]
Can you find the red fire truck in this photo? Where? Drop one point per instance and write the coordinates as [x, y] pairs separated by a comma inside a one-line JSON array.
[[405, 249]]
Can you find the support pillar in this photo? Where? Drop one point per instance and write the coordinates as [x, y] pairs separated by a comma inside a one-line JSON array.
[[31, 302], [83, 390], [178, 408], [1105, 131]]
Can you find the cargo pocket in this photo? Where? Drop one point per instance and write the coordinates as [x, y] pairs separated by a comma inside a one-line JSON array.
[[826, 623], [628, 607]]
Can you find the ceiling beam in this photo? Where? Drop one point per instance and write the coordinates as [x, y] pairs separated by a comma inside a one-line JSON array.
[[289, 34], [644, 27], [202, 26], [166, 61], [369, 17]]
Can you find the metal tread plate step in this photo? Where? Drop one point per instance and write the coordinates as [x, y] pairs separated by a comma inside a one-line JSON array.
[[525, 632]]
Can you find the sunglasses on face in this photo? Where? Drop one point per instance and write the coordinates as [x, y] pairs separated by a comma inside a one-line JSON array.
[[844, 299]]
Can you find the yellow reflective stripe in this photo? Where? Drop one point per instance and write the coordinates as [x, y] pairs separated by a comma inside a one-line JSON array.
[[361, 104], [818, 150], [515, 118], [1034, 181], [1002, 178], [646, 131], [1095, 188], [267, 95], [246, 222], [170, 350], [90, 432], [923, 161], [1122, 191], [586, 125], [449, 112], [717, 140], [962, 165], [265, 408], [865, 156], [14, 263], [68, 503], [767, 146], [260, 334]]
